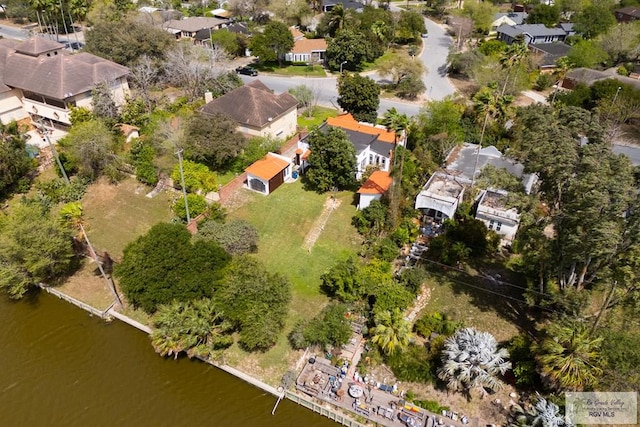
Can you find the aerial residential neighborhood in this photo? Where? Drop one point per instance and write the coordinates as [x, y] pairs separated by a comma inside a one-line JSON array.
[[395, 213]]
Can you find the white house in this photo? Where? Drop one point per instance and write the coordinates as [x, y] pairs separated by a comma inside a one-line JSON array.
[[374, 188], [39, 78], [497, 216], [440, 196]]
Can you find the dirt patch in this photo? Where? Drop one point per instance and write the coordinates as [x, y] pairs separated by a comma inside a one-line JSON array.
[[330, 205], [464, 86]]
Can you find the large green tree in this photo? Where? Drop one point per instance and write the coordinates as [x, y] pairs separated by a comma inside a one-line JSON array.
[[254, 301], [544, 14], [332, 160], [360, 96], [15, 164], [329, 328], [33, 248], [594, 20], [212, 139], [274, 42], [164, 265], [128, 40], [348, 48], [91, 148]]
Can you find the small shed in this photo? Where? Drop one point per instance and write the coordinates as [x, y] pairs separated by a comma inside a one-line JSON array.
[[374, 188], [268, 173]]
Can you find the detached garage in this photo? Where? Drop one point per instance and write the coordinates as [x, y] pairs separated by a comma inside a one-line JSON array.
[[268, 173]]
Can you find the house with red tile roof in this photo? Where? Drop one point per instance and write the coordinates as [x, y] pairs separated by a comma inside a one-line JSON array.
[[39, 78], [374, 188], [268, 173], [374, 145]]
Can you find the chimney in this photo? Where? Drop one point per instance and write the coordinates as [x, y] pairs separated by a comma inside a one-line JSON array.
[[208, 97]]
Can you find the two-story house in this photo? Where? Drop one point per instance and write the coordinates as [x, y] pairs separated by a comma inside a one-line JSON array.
[[39, 78], [373, 144]]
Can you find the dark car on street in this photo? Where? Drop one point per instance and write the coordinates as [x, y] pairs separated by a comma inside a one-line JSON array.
[[247, 71]]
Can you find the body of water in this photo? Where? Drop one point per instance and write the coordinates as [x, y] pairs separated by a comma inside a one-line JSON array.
[[61, 367]]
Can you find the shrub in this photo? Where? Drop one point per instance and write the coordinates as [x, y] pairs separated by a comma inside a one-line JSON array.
[[431, 406], [413, 278], [197, 205], [544, 81], [414, 364], [142, 156]]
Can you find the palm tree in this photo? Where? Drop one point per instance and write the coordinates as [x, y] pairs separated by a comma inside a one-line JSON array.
[[392, 332], [512, 56], [337, 17], [542, 414], [381, 30], [569, 357], [472, 360], [399, 124]]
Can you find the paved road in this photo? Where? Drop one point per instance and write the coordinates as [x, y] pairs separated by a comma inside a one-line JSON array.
[[13, 33], [327, 91]]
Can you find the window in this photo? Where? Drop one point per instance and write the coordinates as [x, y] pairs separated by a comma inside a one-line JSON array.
[[384, 163], [491, 224], [499, 226], [370, 159]]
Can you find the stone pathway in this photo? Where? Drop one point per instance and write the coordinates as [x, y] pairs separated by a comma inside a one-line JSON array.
[[421, 301], [329, 206]]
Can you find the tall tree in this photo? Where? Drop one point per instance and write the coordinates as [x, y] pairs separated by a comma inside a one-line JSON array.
[[213, 140], [163, 265], [274, 42], [255, 301], [594, 20], [332, 160], [472, 360], [359, 96], [347, 50], [511, 57], [391, 331], [91, 147], [549, 15], [15, 164], [126, 41], [568, 357], [33, 248]]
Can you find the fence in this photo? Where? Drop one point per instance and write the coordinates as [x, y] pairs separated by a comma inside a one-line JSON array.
[[322, 410]]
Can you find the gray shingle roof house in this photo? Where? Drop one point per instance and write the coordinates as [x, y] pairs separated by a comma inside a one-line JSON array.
[[39, 77], [531, 33], [588, 77], [188, 27], [257, 110], [549, 53], [508, 18]]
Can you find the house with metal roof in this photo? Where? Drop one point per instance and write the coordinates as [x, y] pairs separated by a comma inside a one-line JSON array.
[[257, 110], [39, 78], [530, 33], [327, 5]]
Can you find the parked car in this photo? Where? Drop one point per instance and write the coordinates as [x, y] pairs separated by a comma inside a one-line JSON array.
[[424, 35], [247, 71], [73, 45]]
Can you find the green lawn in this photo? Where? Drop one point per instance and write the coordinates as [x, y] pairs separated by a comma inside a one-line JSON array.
[[283, 220], [320, 114], [452, 294], [117, 214], [291, 70]]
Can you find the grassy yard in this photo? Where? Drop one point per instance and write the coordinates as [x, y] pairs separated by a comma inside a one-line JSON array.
[[291, 70], [117, 214], [319, 115], [283, 220], [464, 298], [88, 286]]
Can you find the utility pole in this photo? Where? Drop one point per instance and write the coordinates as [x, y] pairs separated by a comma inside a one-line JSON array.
[[475, 167], [184, 189]]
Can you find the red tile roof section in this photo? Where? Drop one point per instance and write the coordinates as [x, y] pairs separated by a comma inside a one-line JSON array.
[[346, 121], [267, 167], [378, 183]]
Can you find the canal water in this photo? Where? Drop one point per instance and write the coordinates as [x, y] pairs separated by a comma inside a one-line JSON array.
[[61, 367]]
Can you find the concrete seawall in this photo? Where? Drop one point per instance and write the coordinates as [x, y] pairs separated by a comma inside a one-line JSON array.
[[320, 408]]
